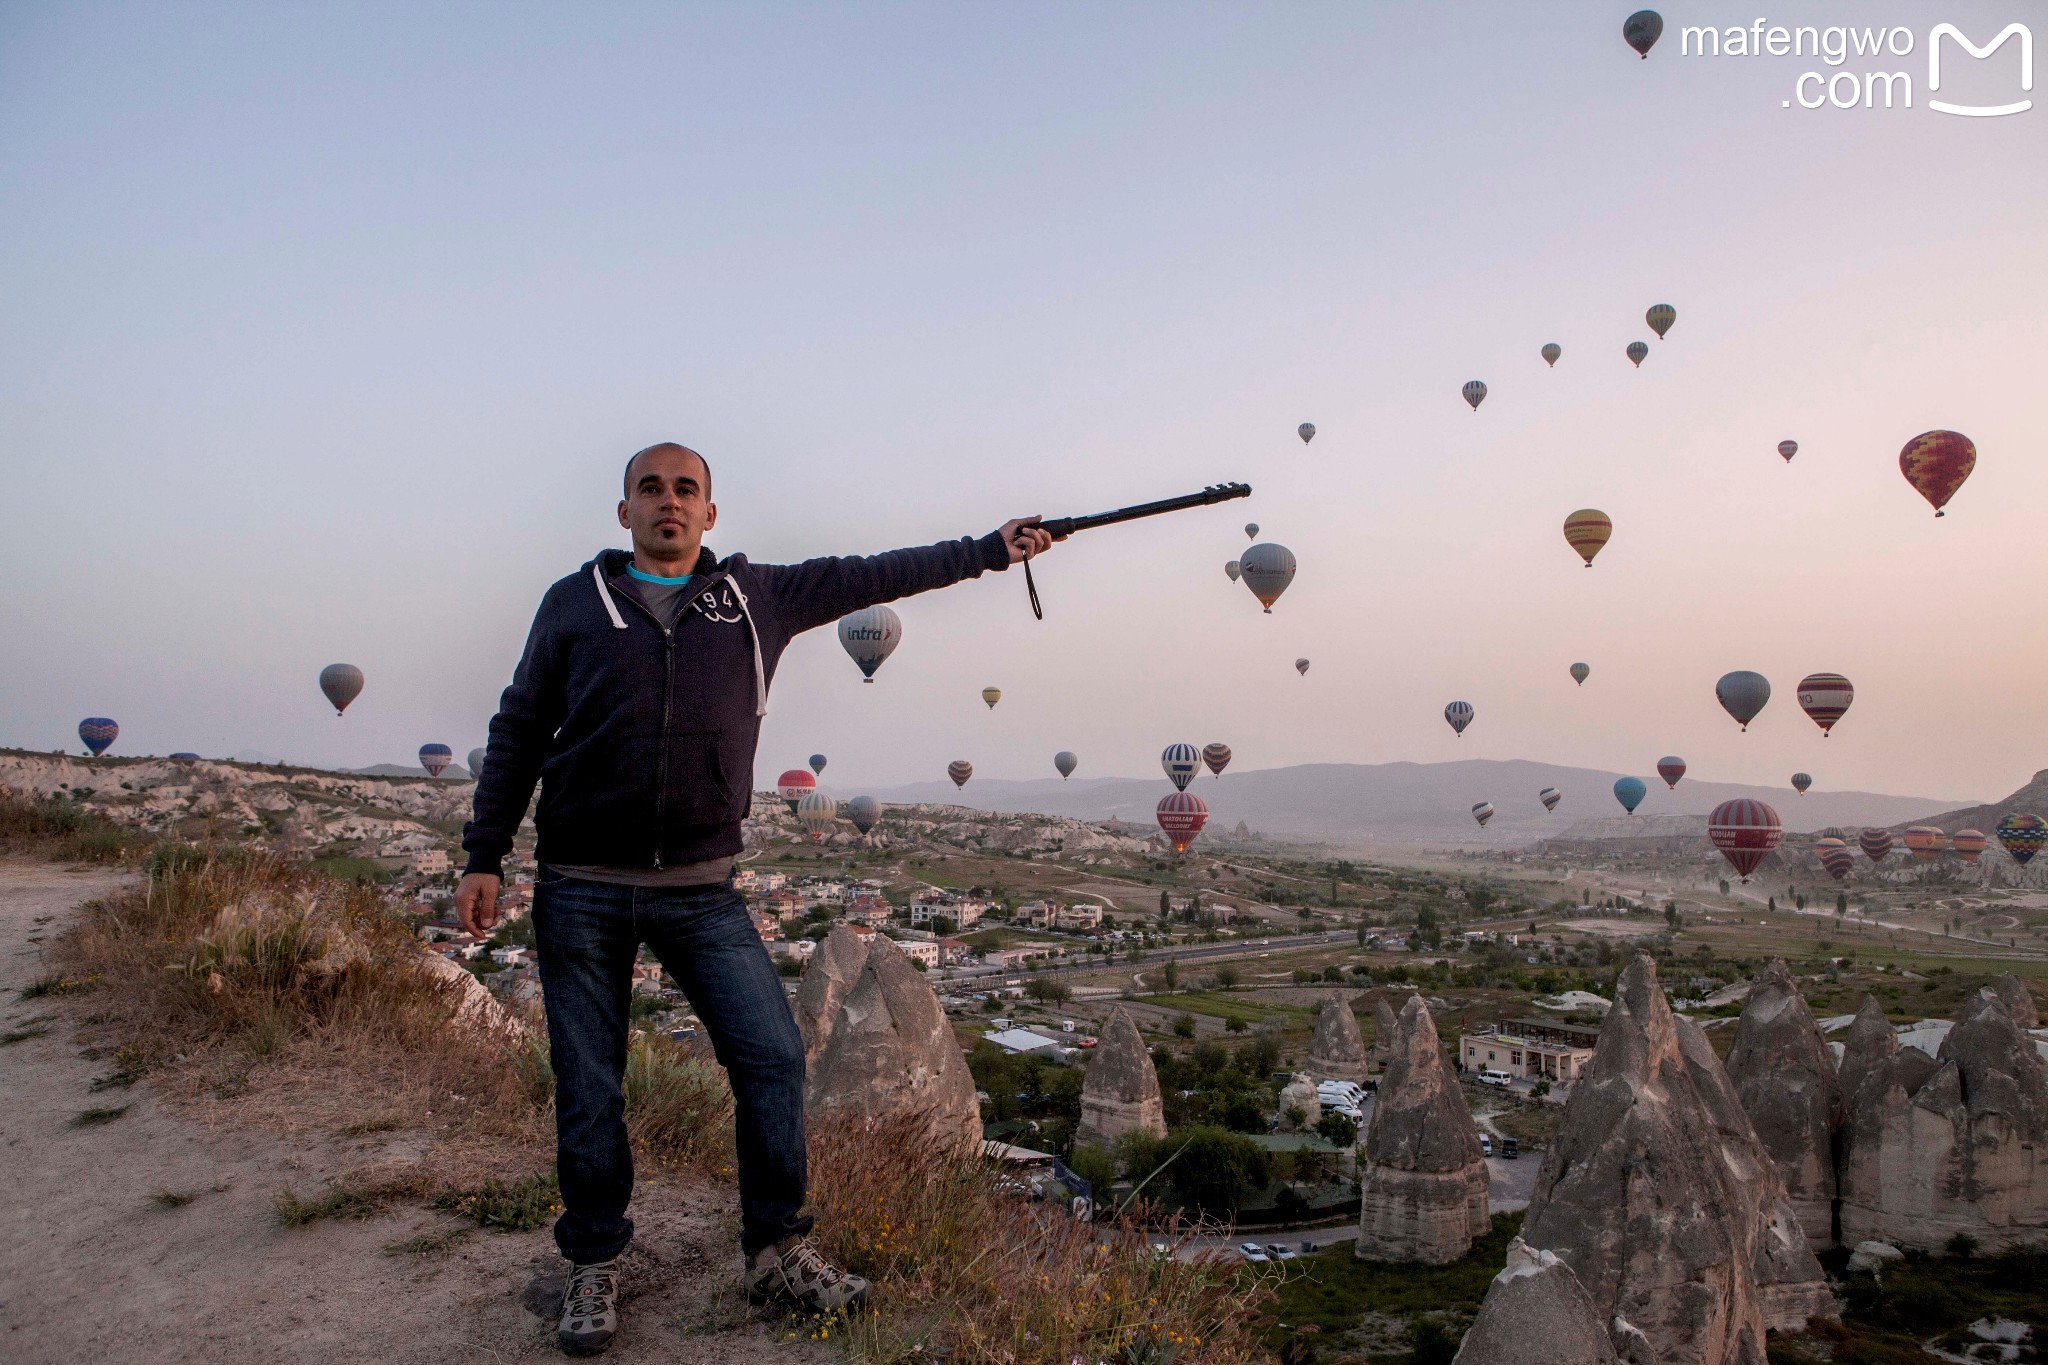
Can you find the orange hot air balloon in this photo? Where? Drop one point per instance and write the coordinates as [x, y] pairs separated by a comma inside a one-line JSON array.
[[1968, 844], [1936, 463], [1586, 530], [1925, 842]]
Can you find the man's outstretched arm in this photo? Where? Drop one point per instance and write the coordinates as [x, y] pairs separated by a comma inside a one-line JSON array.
[[821, 590]]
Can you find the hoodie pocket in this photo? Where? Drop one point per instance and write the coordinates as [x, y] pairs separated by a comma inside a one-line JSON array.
[[696, 790]]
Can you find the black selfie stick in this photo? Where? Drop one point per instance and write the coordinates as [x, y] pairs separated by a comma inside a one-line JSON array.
[[1062, 527]]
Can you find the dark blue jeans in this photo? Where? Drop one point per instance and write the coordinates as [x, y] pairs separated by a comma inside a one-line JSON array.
[[588, 934]]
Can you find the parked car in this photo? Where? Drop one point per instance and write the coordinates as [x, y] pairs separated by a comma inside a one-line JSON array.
[[1252, 1251], [1485, 1145], [1509, 1149], [1492, 1077], [1280, 1251]]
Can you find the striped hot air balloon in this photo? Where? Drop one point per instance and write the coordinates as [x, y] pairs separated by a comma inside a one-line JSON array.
[[1266, 569], [1307, 432], [1181, 816], [1825, 697], [1550, 796], [817, 813], [1217, 756], [475, 764], [1801, 781], [1875, 843], [1660, 317], [1969, 844], [98, 733], [794, 785], [2023, 835], [1301, 667], [1581, 672], [1586, 530], [1182, 762], [1671, 767], [991, 695], [865, 812], [1065, 761], [1745, 831], [1936, 463], [1459, 715], [1925, 842], [1788, 449], [1638, 353], [1251, 530], [341, 684], [1551, 351], [1475, 393], [1230, 569], [1482, 813], [435, 758], [1742, 694], [1630, 791], [959, 770], [1835, 857]]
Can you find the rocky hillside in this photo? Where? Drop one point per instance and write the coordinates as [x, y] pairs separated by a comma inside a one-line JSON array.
[[2032, 798]]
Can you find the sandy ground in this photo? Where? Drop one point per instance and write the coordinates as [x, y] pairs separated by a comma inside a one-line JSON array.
[[93, 1267]]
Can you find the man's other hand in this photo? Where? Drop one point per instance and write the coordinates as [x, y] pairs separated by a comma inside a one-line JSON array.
[[1026, 538], [476, 903]]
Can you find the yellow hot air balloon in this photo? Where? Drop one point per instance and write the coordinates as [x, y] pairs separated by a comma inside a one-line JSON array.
[[1660, 317], [991, 695], [1586, 530]]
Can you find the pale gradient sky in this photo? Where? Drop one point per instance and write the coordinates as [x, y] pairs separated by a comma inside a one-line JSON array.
[[327, 330]]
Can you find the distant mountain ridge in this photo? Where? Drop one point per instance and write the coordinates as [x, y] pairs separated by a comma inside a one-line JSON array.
[[2032, 798], [1428, 803]]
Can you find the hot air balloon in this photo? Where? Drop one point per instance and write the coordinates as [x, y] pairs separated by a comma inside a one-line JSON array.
[[1641, 30], [1671, 767], [1824, 697], [1217, 756], [1630, 792], [98, 733], [1551, 351], [1181, 815], [1482, 813], [959, 770], [1638, 353], [1581, 672], [1065, 761], [1307, 431], [1925, 842], [1801, 781], [1586, 530], [1875, 843], [1459, 714], [1230, 569], [1181, 762], [1969, 844], [817, 813], [1267, 569], [475, 764], [1788, 449], [435, 758], [1936, 463], [1251, 530], [794, 785], [1835, 857], [870, 636], [1660, 317], [1475, 393], [185, 757], [1550, 796], [991, 695], [1742, 694], [1301, 667], [2023, 835], [865, 812], [342, 683], [818, 764], [1745, 831]]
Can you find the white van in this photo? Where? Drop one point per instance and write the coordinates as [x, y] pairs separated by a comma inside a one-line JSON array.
[[1492, 1077]]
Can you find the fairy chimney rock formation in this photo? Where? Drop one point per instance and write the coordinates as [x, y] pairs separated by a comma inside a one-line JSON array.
[[1425, 1181], [1120, 1093], [2019, 1001], [889, 1052], [1953, 1144], [1870, 1042], [834, 968], [1300, 1093], [1658, 1195], [1384, 1028], [1337, 1050], [1787, 1083], [1536, 1313]]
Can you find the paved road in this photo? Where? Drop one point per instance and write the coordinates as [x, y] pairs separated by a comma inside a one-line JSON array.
[[1158, 957]]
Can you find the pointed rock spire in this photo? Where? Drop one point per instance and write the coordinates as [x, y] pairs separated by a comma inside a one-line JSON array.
[[1425, 1183], [834, 967], [1384, 1028], [1336, 1052], [1786, 1080], [889, 1051], [1536, 1313], [1870, 1041], [1120, 1093]]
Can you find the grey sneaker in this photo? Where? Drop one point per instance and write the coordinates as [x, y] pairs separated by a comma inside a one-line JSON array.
[[590, 1310], [793, 1272]]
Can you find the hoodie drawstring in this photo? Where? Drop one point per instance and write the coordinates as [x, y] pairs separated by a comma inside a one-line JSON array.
[[754, 636], [611, 608]]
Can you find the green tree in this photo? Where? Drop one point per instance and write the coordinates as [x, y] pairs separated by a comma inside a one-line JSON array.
[[1171, 974], [1227, 976], [1671, 914], [1338, 1130], [1235, 1024], [1216, 1170], [1096, 1165], [1047, 991], [1165, 908], [1841, 904], [1183, 1025]]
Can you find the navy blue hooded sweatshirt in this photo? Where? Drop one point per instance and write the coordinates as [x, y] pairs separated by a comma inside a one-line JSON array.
[[641, 736]]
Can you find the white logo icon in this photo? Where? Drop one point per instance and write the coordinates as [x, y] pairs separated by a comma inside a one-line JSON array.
[[2026, 38]]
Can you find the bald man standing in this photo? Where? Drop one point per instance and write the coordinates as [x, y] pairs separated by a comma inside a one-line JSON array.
[[636, 708]]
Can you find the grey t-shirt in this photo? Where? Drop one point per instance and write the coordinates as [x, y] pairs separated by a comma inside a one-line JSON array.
[[665, 598]]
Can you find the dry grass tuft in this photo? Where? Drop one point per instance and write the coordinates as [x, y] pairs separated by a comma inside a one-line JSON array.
[[961, 1267], [63, 832]]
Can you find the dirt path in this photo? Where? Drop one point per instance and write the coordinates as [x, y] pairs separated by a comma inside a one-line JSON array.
[[96, 1266]]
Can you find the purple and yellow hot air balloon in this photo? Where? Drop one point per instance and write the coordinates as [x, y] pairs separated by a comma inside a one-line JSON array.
[[1925, 842], [1875, 843], [1968, 844], [1835, 857], [2023, 834], [98, 733], [1936, 463]]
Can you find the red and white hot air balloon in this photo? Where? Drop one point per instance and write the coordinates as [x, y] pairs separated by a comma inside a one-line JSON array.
[[1181, 816], [794, 785], [1671, 767], [1825, 697], [1745, 831]]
